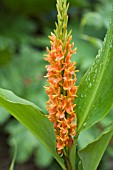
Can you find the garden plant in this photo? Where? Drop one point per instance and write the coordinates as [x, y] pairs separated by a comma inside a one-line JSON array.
[[71, 108]]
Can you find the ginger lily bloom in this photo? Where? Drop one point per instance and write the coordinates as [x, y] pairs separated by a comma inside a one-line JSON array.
[[61, 89]]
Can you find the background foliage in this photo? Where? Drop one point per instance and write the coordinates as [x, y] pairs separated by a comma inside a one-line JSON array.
[[24, 29]]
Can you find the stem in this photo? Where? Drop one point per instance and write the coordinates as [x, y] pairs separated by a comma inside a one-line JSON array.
[[68, 164], [70, 156], [67, 159]]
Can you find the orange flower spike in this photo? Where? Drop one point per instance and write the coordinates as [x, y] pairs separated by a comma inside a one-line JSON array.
[[61, 88]]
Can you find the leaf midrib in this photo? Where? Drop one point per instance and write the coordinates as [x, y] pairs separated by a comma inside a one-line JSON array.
[[96, 88]]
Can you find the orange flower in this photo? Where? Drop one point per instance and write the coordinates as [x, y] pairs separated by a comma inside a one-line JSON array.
[[61, 91]]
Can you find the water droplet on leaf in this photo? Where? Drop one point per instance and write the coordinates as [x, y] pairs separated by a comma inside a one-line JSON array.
[[84, 124], [90, 84]]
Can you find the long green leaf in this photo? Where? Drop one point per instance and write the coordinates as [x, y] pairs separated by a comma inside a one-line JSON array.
[[95, 93], [33, 118], [93, 152]]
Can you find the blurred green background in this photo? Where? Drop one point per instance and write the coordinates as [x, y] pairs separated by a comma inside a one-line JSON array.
[[24, 29]]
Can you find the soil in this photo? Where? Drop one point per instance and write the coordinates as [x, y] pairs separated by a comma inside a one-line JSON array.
[[4, 155]]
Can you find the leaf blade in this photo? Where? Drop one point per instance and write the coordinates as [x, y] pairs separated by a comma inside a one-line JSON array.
[[96, 87], [33, 118], [93, 152]]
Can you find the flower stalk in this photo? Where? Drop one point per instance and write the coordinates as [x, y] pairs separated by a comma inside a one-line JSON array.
[[61, 89]]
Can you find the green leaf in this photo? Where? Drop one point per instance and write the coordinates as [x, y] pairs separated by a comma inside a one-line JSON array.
[[20, 134], [4, 115], [93, 152], [43, 158], [33, 118], [95, 93]]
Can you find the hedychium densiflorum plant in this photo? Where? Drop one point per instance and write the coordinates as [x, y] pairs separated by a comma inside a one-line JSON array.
[[61, 77], [71, 109], [61, 88]]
